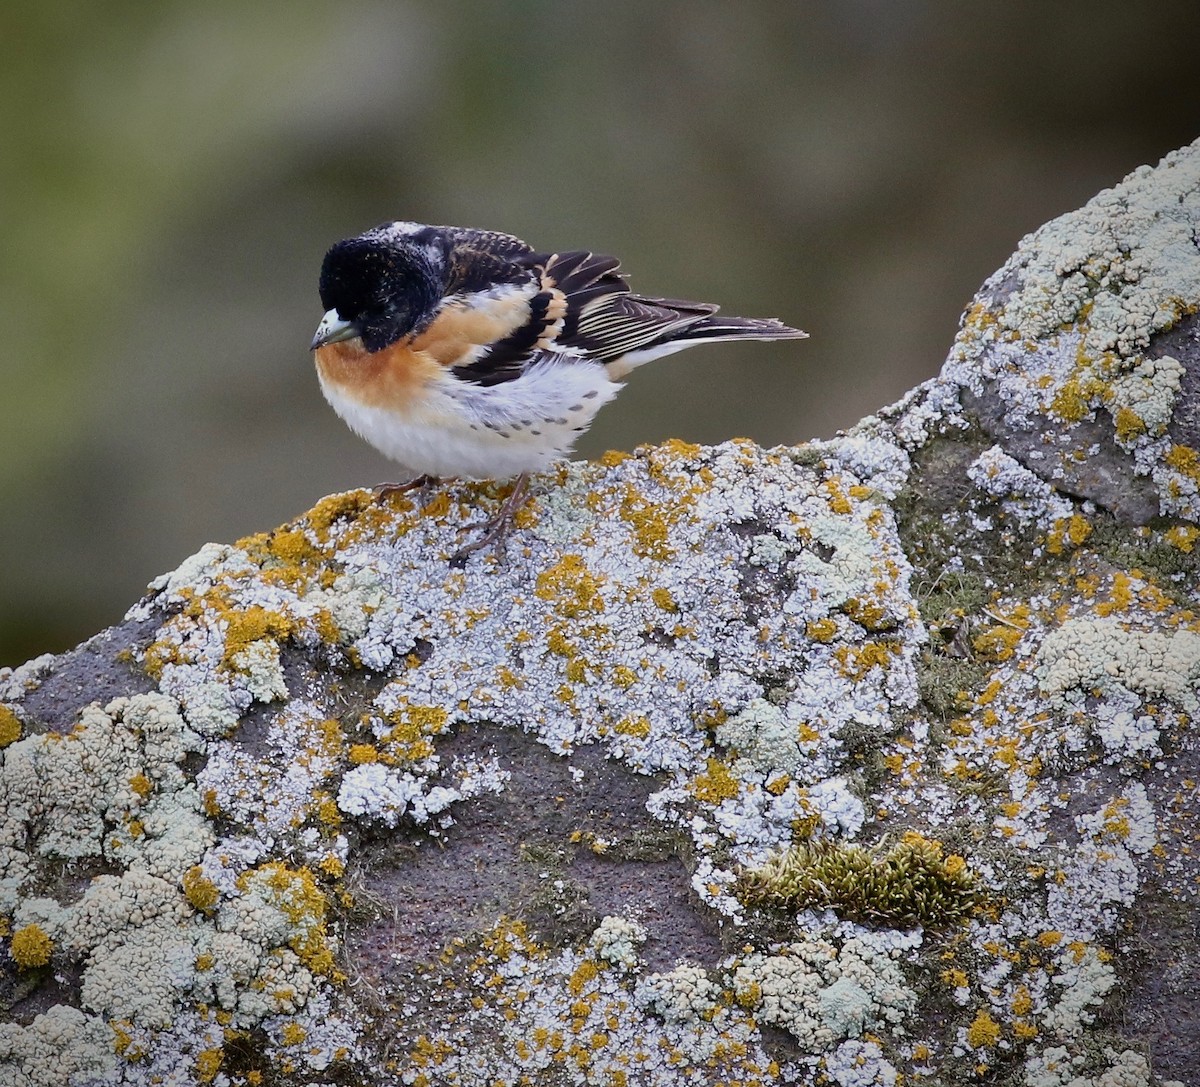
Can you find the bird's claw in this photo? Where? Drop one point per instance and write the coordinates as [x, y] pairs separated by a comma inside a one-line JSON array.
[[496, 529]]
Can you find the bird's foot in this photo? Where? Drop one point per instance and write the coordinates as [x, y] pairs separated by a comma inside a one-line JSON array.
[[421, 483], [495, 530]]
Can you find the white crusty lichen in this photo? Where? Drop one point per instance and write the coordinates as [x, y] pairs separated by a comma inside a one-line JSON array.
[[860, 1064], [155, 938], [616, 940], [61, 1047], [1026, 498], [1063, 332], [1086, 653], [1057, 1066], [1084, 977], [682, 995], [112, 788], [822, 993]]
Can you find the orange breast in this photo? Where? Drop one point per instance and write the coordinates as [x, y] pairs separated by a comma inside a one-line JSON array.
[[398, 376], [395, 378]]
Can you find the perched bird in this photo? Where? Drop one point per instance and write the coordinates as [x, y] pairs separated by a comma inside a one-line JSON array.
[[461, 352]]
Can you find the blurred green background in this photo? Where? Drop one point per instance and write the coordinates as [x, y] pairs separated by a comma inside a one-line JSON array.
[[172, 173]]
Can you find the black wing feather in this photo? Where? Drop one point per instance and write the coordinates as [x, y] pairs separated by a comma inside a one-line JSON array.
[[603, 319]]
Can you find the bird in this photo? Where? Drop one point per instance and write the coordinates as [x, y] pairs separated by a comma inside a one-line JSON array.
[[464, 353]]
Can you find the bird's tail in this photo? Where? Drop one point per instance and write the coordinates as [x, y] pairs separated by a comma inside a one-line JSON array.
[[694, 323], [719, 327]]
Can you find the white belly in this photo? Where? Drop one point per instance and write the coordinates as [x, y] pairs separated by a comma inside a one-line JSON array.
[[467, 430]]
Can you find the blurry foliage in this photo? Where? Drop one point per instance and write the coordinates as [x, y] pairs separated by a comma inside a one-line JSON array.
[[172, 173]]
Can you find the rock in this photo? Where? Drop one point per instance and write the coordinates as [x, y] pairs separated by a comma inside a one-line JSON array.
[[1081, 356], [865, 758]]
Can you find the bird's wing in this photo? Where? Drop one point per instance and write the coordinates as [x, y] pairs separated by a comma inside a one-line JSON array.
[[578, 303]]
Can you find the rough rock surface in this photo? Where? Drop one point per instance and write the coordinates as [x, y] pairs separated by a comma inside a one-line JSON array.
[[865, 760]]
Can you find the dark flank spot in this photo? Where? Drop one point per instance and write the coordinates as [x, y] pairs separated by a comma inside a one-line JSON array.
[[559, 422], [575, 407], [592, 395], [526, 422], [474, 426], [490, 426], [536, 432], [503, 434], [516, 426]]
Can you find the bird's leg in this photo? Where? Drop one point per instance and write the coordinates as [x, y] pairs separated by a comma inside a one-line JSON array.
[[419, 484], [495, 530]]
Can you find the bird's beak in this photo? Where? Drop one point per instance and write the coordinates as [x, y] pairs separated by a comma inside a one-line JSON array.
[[333, 329]]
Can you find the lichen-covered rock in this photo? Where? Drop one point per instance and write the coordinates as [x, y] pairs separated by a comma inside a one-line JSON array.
[[864, 762], [1081, 356]]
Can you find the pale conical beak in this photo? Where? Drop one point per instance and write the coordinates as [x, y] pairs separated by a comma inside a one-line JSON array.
[[333, 329]]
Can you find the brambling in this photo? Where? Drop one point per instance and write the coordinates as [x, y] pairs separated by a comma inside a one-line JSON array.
[[467, 353]]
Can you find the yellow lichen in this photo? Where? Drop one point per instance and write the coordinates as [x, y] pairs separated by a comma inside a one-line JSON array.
[[582, 976], [663, 599], [250, 625], [333, 866], [141, 785], [822, 630], [573, 591], [633, 726], [1067, 532], [292, 1034], [997, 642], [858, 661], [867, 613], [10, 726], [777, 786], [1185, 460], [838, 502], [208, 1064], [31, 947], [1120, 595], [294, 891], [1182, 537], [1130, 426], [326, 810], [158, 655], [199, 890], [651, 523], [1073, 400], [715, 784], [412, 726], [984, 1031]]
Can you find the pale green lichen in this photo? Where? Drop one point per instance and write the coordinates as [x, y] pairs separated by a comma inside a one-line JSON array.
[[616, 940], [821, 993], [682, 995], [1088, 653], [1057, 1066], [60, 1048]]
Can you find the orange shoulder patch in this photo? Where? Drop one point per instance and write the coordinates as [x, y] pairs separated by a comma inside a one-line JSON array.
[[464, 324]]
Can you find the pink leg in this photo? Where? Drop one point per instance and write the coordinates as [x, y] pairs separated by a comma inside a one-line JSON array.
[[495, 529]]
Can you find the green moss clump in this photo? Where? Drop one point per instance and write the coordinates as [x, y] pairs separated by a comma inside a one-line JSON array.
[[910, 883]]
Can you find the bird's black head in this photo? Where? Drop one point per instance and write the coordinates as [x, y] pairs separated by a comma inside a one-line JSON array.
[[382, 288]]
